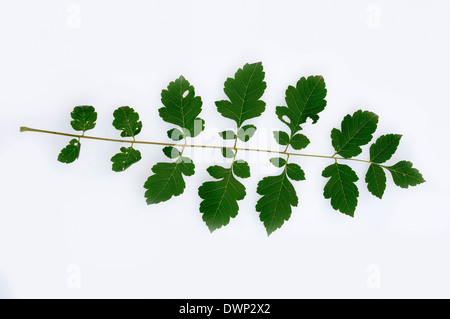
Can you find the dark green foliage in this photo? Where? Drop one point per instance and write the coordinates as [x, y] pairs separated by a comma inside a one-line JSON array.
[[241, 169], [71, 152], [376, 180], [341, 188], [84, 118], [404, 175], [220, 197], [127, 121], [281, 137], [227, 135], [227, 152], [244, 92], [127, 157], [305, 100], [171, 152], [299, 141], [167, 180], [278, 161], [356, 131], [175, 134], [182, 107], [295, 172], [246, 132], [275, 205], [383, 149]]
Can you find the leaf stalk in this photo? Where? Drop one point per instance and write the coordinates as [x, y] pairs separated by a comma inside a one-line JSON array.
[[235, 148]]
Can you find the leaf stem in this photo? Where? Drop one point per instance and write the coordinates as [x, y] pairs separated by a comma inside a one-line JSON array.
[[28, 129]]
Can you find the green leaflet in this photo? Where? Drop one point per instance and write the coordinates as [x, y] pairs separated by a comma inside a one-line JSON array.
[[167, 180], [127, 157], [278, 161], [244, 92], [127, 121], [246, 132], [84, 118], [341, 188], [175, 134], [171, 152], [356, 130], [220, 197], [281, 137], [404, 175], [71, 152], [306, 99], [227, 135], [275, 205], [241, 169], [299, 141], [295, 172], [380, 151], [383, 149], [182, 107], [376, 180], [227, 152]]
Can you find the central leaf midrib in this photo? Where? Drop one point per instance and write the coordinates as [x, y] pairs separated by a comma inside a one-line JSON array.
[[181, 104], [403, 174], [382, 150], [167, 181], [376, 178], [278, 197], [245, 94], [342, 187], [306, 102], [223, 194], [127, 120]]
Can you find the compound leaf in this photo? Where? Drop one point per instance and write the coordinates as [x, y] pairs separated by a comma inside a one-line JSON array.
[[383, 149], [220, 197], [126, 119], [404, 175], [275, 205], [341, 188], [376, 180], [167, 180], [71, 152], [305, 100], [84, 118], [356, 130], [127, 157], [244, 92], [182, 107]]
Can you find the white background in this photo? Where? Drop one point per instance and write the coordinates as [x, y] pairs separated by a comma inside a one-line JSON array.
[[81, 230]]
